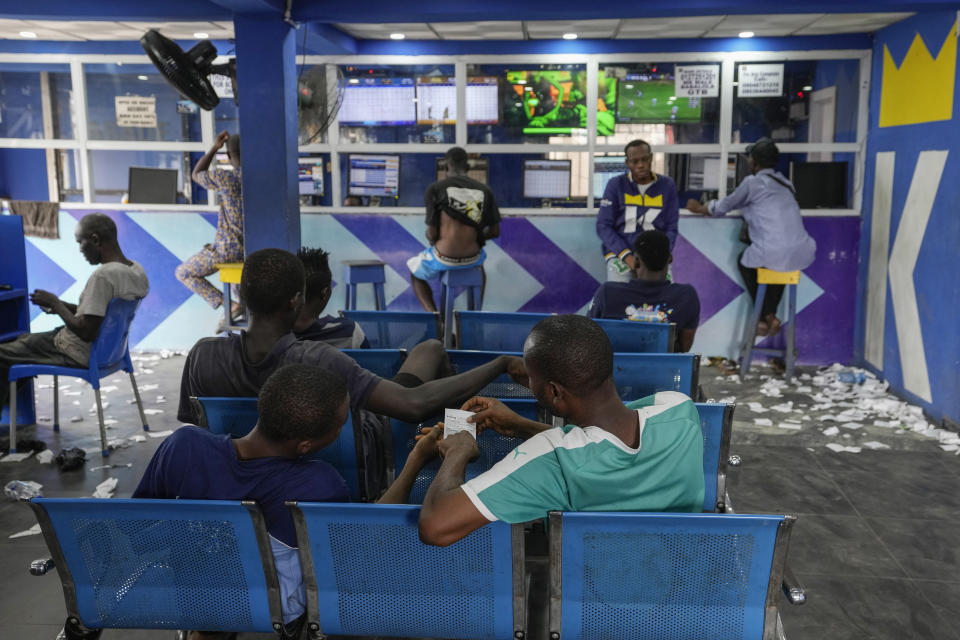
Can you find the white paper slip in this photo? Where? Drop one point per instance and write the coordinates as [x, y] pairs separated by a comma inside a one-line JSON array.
[[875, 445], [831, 431], [839, 448], [763, 422], [159, 434], [790, 425], [16, 457], [455, 421], [153, 412], [32, 531]]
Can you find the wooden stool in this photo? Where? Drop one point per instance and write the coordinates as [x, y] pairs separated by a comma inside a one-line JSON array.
[[472, 279], [359, 271], [230, 273], [764, 277]]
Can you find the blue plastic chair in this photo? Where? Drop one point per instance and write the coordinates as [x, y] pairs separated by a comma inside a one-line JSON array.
[[373, 577], [237, 417], [628, 336], [396, 329], [493, 446], [655, 575], [635, 374], [383, 362], [494, 330], [162, 564], [109, 353]]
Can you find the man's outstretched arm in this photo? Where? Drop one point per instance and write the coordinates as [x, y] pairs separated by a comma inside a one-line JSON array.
[[448, 514], [416, 403]]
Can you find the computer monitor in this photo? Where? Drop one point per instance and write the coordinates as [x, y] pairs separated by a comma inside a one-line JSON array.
[[820, 185], [546, 179], [152, 186], [378, 102], [437, 100], [605, 168], [479, 169], [310, 172], [373, 175]]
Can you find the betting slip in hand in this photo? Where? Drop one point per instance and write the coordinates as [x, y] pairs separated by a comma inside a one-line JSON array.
[[455, 421]]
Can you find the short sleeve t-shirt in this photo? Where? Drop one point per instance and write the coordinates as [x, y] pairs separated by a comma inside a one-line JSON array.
[[194, 464], [109, 281], [219, 367], [465, 200], [589, 469], [664, 300]]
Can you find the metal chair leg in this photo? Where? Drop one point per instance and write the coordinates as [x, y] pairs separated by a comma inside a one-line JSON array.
[[346, 296], [56, 403], [746, 352], [103, 429], [791, 353], [381, 300], [136, 394], [13, 416]]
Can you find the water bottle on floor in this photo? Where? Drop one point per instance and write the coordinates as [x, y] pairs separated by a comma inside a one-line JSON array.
[[23, 489]]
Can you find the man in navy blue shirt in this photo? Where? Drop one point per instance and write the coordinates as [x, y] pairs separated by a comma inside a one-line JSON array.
[[302, 409], [635, 201], [425, 362], [649, 296]]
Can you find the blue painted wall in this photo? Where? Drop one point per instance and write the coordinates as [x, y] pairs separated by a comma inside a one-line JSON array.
[[935, 275]]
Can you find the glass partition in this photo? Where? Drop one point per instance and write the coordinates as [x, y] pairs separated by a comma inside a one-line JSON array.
[[22, 105], [134, 102]]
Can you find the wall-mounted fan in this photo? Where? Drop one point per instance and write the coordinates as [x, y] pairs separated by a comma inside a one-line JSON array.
[[318, 101], [188, 71]]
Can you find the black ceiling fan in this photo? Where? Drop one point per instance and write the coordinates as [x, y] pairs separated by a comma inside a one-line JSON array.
[[188, 71]]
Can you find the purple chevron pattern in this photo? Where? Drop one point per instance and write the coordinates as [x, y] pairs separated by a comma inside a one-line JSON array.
[[566, 285], [44, 273], [714, 288], [166, 293], [393, 244]]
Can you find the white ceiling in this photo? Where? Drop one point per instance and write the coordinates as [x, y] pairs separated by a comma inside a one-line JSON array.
[[639, 28], [103, 30], [803, 24]]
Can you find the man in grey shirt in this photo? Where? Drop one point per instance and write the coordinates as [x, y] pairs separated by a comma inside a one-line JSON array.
[[778, 240], [69, 345]]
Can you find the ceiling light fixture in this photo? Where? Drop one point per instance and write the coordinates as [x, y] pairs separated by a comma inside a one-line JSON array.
[[142, 78], [201, 35], [397, 36], [745, 34], [27, 34], [808, 88], [569, 36]]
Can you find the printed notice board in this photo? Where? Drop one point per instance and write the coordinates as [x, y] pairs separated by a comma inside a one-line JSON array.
[[760, 80], [697, 81], [136, 111]]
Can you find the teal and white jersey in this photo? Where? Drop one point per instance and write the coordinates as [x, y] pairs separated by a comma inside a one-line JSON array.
[[590, 469]]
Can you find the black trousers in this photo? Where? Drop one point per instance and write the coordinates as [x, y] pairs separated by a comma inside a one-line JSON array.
[[771, 300]]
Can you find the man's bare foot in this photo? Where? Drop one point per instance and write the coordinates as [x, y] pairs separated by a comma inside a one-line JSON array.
[[762, 328], [774, 324]]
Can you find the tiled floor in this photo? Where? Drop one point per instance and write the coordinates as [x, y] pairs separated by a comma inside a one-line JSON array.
[[875, 544]]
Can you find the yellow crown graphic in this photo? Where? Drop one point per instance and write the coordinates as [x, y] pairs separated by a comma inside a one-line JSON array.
[[921, 90]]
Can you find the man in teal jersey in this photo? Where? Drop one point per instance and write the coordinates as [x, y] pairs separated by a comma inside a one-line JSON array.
[[643, 456]]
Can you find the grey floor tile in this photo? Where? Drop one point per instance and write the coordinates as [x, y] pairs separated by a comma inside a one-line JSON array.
[[847, 608], [839, 546], [18, 630], [907, 484], [927, 549], [783, 480], [945, 597]]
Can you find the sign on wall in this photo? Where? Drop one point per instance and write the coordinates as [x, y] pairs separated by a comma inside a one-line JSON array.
[[760, 80], [697, 81], [222, 85], [136, 111]]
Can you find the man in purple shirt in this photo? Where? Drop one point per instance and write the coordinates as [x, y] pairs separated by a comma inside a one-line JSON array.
[[778, 241]]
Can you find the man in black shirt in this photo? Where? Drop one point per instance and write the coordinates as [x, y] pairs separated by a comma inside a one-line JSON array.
[[649, 296], [461, 215]]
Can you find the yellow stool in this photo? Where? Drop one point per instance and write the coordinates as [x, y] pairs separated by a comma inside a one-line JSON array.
[[766, 277], [230, 273]]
